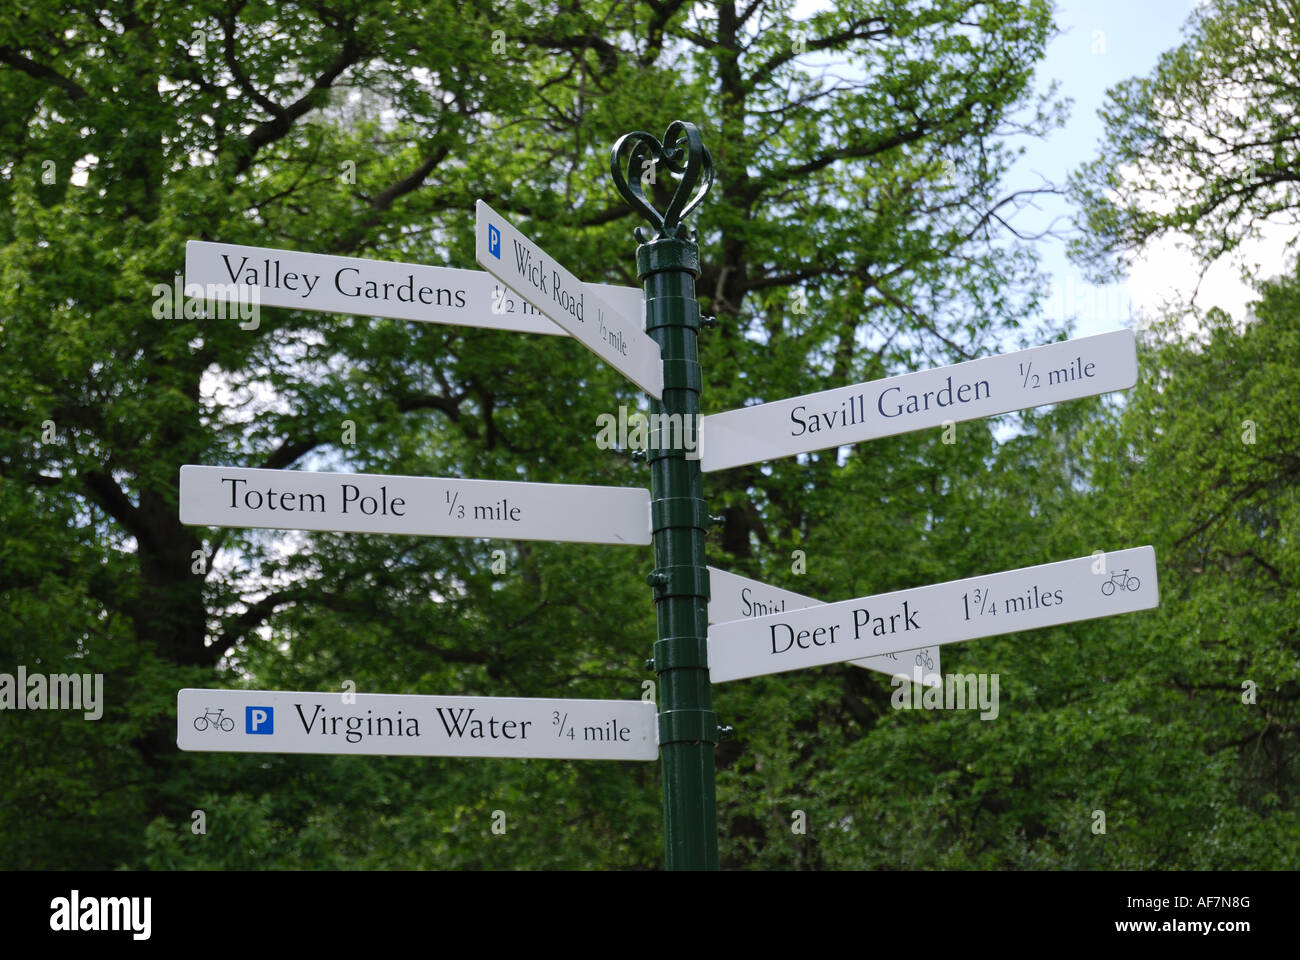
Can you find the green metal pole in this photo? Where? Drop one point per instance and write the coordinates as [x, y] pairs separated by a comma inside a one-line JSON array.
[[668, 265]]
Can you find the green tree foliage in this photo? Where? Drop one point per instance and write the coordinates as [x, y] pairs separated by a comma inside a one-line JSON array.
[[1208, 146], [1177, 725], [1206, 453], [856, 229], [1200, 459]]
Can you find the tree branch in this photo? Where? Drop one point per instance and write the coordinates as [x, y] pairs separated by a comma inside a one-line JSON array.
[[40, 71], [236, 71], [607, 52], [289, 451], [854, 31], [430, 401], [916, 315], [255, 614], [852, 153], [381, 201], [104, 490], [283, 118]]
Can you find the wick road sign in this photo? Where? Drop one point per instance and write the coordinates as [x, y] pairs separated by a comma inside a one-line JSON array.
[[616, 337], [419, 506], [734, 597], [915, 401], [278, 721], [1008, 602], [377, 288]]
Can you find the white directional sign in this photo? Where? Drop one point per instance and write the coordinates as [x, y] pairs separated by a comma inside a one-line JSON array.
[[421, 506], [915, 401], [1007, 602], [734, 597], [376, 288], [616, 336], [280, 721]]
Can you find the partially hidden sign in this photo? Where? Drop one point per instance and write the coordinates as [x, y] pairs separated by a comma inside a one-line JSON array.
[[733, 597], [326, 283], [1085, 588], [616, 336]]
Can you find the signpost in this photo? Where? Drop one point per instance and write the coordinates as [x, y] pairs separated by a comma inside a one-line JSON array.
[[1007, 602], [613, 335], [420, 506], [376, 288], [737, 598], [712, 626], [915, 401], [668, 263], [278, 721]]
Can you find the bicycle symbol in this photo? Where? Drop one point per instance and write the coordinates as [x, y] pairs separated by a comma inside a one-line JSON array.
[[1121, 580], [215, 720], [923, 659]]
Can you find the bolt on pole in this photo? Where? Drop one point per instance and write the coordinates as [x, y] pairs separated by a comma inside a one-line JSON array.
[[668, 263]]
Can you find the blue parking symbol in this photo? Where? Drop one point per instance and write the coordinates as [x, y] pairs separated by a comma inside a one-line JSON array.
[[259, 720], [494, 241]]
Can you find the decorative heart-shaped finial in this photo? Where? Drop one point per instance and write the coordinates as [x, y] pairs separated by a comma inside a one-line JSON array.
[[683, 152]]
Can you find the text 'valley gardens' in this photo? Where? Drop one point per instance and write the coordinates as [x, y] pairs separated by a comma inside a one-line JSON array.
[[269, 274]]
